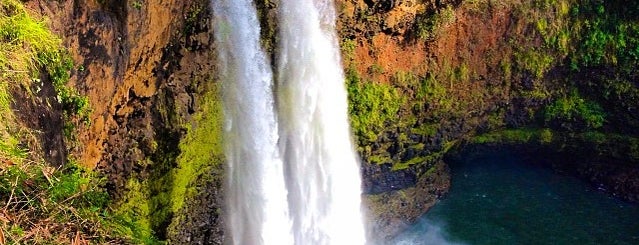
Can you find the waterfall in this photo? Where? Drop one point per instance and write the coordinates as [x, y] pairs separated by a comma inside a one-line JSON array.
[[292, 174], [255, 189], [322, 172]]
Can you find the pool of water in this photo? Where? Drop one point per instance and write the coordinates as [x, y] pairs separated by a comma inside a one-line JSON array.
[[497, 199]]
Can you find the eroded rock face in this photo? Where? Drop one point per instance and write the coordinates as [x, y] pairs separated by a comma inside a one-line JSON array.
[[118, 51], [384, 34], [393, 211], [139, 65], [143, 67]]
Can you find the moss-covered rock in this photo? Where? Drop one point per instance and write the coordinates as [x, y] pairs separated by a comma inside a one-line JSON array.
[[514, 72]]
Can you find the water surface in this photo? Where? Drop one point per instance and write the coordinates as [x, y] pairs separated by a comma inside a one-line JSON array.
[[498, 199]]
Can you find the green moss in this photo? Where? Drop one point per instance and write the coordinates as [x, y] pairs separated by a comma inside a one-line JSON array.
[[545, 136], [418, 146], [495, 120], [380, 159], [539, 93], [462, 73], [611, 145], [404, 165], [436, 95], [426, 129], [201, 149], [153, 205], [510, 136], [372, 107], [136, 4], [573, 108], [430, 158], [134, 213], [150, 206]]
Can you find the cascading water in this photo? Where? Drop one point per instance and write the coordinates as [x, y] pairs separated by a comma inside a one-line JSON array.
[[255, 192], [322, 174], [296, 182]]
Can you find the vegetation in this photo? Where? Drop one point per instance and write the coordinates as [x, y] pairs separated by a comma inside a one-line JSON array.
[[201, 150], [40, 203], [609, 34], [48, 205], [136, 4], [430, 26], [572, 110], [594, 43], [29, 48], [592, 143], [515, 136], [373, 107], [157, 203], [571, 68]]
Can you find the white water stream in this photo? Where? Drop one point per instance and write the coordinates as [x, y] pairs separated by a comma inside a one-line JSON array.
[[256, 194], [293, 175]]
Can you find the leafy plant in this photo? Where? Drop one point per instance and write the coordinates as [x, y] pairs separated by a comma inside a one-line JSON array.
[[429, 27], [573, 109], [137, 4]]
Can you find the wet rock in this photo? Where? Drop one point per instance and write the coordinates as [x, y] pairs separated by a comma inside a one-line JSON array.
[[392, 211]]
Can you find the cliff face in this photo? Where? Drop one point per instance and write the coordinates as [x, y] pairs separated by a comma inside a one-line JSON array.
[[423, 78], [126, 55], [147, 68], [427, 76]]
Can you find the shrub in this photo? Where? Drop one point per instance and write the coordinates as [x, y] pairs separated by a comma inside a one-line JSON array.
[[573, 109]]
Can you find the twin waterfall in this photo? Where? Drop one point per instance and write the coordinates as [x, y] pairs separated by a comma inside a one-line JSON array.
[[293, 176]]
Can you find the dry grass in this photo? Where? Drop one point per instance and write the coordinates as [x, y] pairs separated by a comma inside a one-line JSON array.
[[41, 204]]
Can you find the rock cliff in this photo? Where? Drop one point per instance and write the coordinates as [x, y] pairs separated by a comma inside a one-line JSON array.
[[424, 77]]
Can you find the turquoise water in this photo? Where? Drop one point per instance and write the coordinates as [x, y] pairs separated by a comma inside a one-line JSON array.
[[497, 199]]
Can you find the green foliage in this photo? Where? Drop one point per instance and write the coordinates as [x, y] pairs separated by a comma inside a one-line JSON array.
[[545, 136], [515, 136], [348, 49], [149, 206], [430, 158], [372, 107], [134, 213], [62, 201], [609, 145], [436, 95], [30, 47], [429, 27], [614, 146], [137, 4], [573, 108], [193, 19], [608, 32], [505, 136], [534, 61], [34, 194]]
